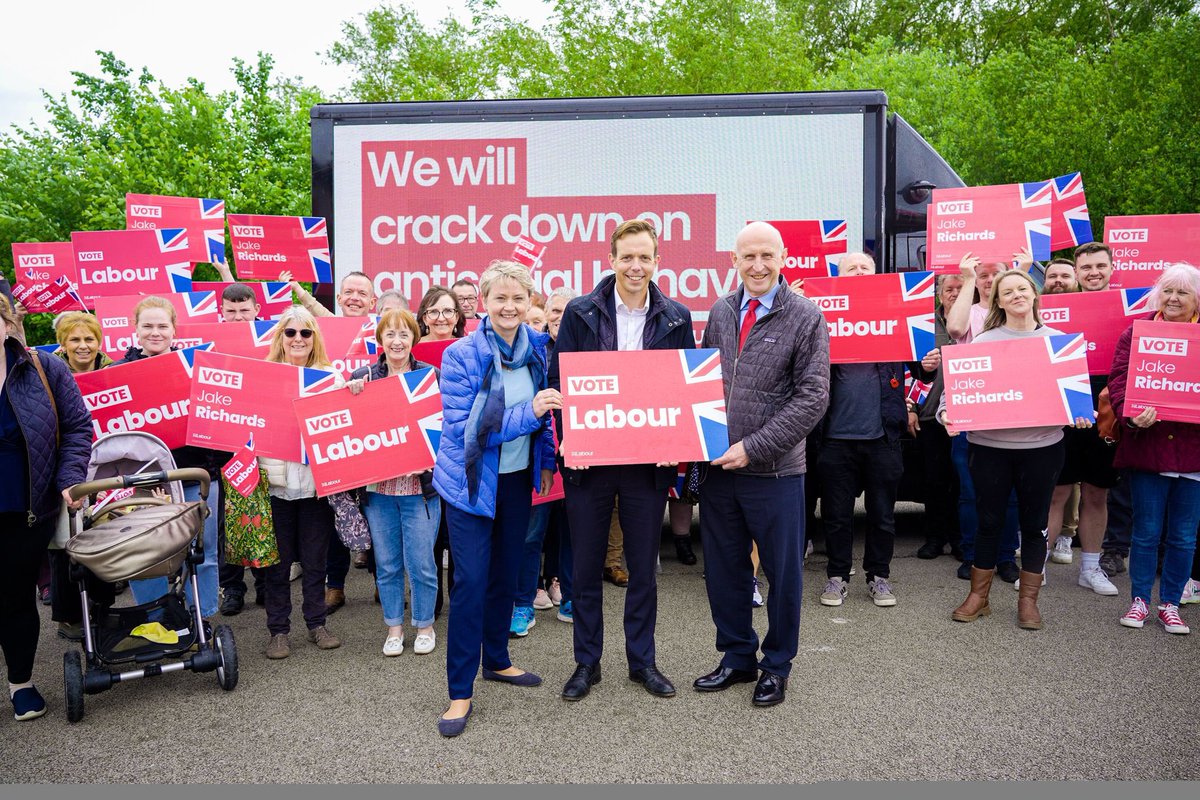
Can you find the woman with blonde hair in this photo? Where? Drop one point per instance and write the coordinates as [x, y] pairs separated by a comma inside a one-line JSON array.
[[303, 521], [79, 336]]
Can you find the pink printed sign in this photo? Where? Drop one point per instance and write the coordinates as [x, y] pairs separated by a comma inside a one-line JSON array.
[[117, 322], [113, 263], [991, 222], [264, 246], [1100, 316], [46, 278], [1164, 370], [814, 247], [1143, 246], [875, 318], [202, 218]]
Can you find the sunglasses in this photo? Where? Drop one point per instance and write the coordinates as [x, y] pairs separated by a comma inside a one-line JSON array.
[[305, 333]]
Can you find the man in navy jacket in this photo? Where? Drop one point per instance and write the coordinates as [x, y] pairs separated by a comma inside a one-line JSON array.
[[625, 311]]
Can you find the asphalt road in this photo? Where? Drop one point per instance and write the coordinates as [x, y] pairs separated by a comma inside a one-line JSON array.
[[877, 693]]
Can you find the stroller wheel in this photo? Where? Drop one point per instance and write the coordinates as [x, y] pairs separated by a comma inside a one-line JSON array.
[[73, 684], [227, 670]]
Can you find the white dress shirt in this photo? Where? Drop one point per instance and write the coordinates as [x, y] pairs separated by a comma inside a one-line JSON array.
[[631, 323]]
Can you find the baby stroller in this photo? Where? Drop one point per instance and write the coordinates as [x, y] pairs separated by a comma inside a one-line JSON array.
[[136, 525]]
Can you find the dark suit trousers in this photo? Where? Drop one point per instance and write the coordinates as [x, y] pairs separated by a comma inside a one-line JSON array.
[[640, 511], [737, 510]]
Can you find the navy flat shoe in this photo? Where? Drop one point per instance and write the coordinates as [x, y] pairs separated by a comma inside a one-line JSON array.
[[453, 727], [524, 679]]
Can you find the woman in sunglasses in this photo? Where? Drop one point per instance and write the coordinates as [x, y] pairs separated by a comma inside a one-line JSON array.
[[439, 316], [303, 521]]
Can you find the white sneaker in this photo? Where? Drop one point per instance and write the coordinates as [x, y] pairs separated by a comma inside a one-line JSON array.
[[1097, 581], [425, 642], [542, 601], [756, 599], [393, 646], [1191, 593], [808, 549], [1061, 554], [835, 592], [555, 592], [295, 572]]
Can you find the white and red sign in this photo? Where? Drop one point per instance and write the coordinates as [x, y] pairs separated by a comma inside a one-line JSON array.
[[264, 246], [528, 253], [132, 262], [392, 428], [117, 321], [642, 407], [991, 222], [875, 318], [1100, 316], [202, 217], [233, 398], [242, 470], [274, 297], [339, 335], [1017, 383], [1164, 370], [149, 395], [246, 339], [46, 278], [814, 247], [1143, 246]]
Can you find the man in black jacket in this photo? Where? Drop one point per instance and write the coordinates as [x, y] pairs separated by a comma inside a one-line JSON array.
[[625, 311]]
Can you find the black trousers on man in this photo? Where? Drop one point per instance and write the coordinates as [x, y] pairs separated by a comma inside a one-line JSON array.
[[640, 511]]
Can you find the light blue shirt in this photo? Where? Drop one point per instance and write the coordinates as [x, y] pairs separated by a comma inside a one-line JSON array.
[[767, 300], [518, 389]]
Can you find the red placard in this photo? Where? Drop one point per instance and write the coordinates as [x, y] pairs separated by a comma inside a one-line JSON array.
[[391, 428], [1017, 383], [149, 395], [642, 407], [264, 246], [1100, 316], [1143, 246], [242, 470], [556, 492], [274, 297], [339, 334], [202, 218], [814, 246], [245, 339], [113, 263], [1070, 225], [116, 316], [234, 398], [528, 252], [46, 279], [992, 222], [875, 318], [1164, 370], [432, 352]]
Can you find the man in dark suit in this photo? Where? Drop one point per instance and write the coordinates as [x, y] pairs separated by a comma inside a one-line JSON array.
[[625, 311], [775, 364]]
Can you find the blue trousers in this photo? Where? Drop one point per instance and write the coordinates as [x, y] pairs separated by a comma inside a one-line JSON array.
[[487, 555], [150, 589], [1168, 510], [735, 512], [968, 517], [541, 519]]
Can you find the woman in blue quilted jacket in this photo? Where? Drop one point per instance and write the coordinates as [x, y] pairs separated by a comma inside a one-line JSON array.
[[45, 443], [496, 449]]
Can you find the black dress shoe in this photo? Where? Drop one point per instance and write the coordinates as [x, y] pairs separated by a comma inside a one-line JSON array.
[[929, 550], [770, 689], [655, 682], [683, 549], [232, 605], [722, 678], [1008, 572], [956, 552], [581, 682], [964, 571]]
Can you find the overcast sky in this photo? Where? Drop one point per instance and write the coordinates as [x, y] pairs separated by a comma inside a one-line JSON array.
[[48, 39]]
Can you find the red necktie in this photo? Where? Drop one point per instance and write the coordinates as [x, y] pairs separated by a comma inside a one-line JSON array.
[[748, 322]]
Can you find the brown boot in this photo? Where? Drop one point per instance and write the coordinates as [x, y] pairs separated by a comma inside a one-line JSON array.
[[334, 599], [1028, 616], [976, 604]]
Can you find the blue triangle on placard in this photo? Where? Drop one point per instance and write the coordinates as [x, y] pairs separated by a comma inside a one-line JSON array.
[[716, 437], [696, 357]]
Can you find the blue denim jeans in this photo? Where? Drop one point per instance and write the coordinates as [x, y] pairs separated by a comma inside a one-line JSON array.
[[968, 516], [150, 589], [403, 530], [1165, 510], [531, 557]]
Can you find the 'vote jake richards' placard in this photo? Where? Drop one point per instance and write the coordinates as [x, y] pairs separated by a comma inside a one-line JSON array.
[[1100, 316], [876, 317], [202, 217], [1017, 383], [1164, 370], [265, 245], [991, 222], [1144, 245], [392, 428], [642, 407]]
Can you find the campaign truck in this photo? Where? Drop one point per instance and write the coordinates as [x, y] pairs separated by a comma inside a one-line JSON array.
[[416, 194]]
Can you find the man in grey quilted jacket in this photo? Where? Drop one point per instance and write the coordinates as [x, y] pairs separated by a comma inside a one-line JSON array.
[[775, 360]]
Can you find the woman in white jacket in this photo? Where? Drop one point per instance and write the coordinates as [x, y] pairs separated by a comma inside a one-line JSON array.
[[303, 521]]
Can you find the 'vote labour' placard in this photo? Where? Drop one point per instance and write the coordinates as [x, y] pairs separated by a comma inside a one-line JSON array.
[[814, 247], [1100, 316], [117, 320], [264, 246], [392, 428], [149, 395], [876, 317], [1017, 383], [991, 222], [142, 261], [1143, 246], [46, 279], [642, 407], [1164, 370]]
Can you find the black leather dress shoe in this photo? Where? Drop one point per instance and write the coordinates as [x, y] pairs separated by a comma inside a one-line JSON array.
[[232, 605], [722, 678], [581, 682], [929, 550], [770, 689], [655, 682], [683, 550]]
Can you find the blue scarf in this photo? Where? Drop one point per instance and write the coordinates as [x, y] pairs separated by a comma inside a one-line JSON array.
[[487, 412]]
